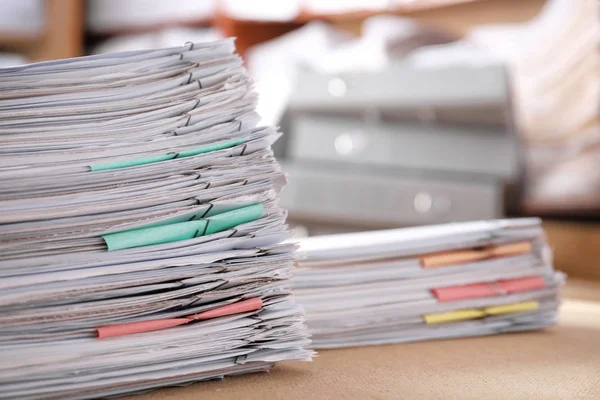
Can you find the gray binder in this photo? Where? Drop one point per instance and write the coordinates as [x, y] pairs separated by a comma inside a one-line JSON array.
[[402, 86], [405, 146], [383, 198], [467, 149]]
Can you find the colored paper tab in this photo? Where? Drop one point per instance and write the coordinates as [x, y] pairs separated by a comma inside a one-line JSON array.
[[462, 315], [252, 304], [182, 230], [132, 163], [211, 147], [488, 289], [139, 327], [163, 157], [474, 291], [472, 255], [525, 284], [453, 316], [512, 308], [235, 308], [511, 249]]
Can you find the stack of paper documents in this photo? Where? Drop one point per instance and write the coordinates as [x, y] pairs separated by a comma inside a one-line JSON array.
[[444, 281], [140, 232]]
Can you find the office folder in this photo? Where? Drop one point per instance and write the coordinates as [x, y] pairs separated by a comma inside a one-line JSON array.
[[405, 89], [141, 240], [377, 197], [433, 282], [490, 151]]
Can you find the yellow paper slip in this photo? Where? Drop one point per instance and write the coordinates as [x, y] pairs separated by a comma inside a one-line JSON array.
[[474, 313], [453, 316], [512, 308]]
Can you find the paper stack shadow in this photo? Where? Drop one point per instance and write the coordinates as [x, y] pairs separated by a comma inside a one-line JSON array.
[[141, 241], [443, 281]]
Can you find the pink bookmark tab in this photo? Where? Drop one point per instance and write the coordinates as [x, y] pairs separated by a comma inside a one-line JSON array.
[[139, 327], [525, 284], [473, 291], [488, 289], [235, 308], [253, 304]]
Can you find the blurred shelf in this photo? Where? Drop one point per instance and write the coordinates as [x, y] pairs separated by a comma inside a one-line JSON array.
[[64, 33], [143, 29], [398, 9], [305, 15], [455, 16], [251, 32]]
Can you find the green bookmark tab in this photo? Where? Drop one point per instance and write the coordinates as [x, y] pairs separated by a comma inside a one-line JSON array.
[[182, 230], [211, 147], [163, 157], [132, 163], [227, 220]]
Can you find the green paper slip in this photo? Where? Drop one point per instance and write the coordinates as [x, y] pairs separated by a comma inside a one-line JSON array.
[[163, 157], [182, 230]]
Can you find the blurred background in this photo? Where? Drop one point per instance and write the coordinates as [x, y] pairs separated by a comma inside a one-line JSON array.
[[395, 112]]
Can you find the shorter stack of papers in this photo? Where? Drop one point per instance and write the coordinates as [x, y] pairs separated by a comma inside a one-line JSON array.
[[434, 282]]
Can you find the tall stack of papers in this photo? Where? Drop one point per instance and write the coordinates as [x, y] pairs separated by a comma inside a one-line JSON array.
[[444, 281], [140, 232]]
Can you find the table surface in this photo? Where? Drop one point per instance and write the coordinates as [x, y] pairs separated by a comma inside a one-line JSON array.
[[562, 362]]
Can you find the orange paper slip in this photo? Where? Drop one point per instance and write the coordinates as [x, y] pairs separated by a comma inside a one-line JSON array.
[[466, 256]]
